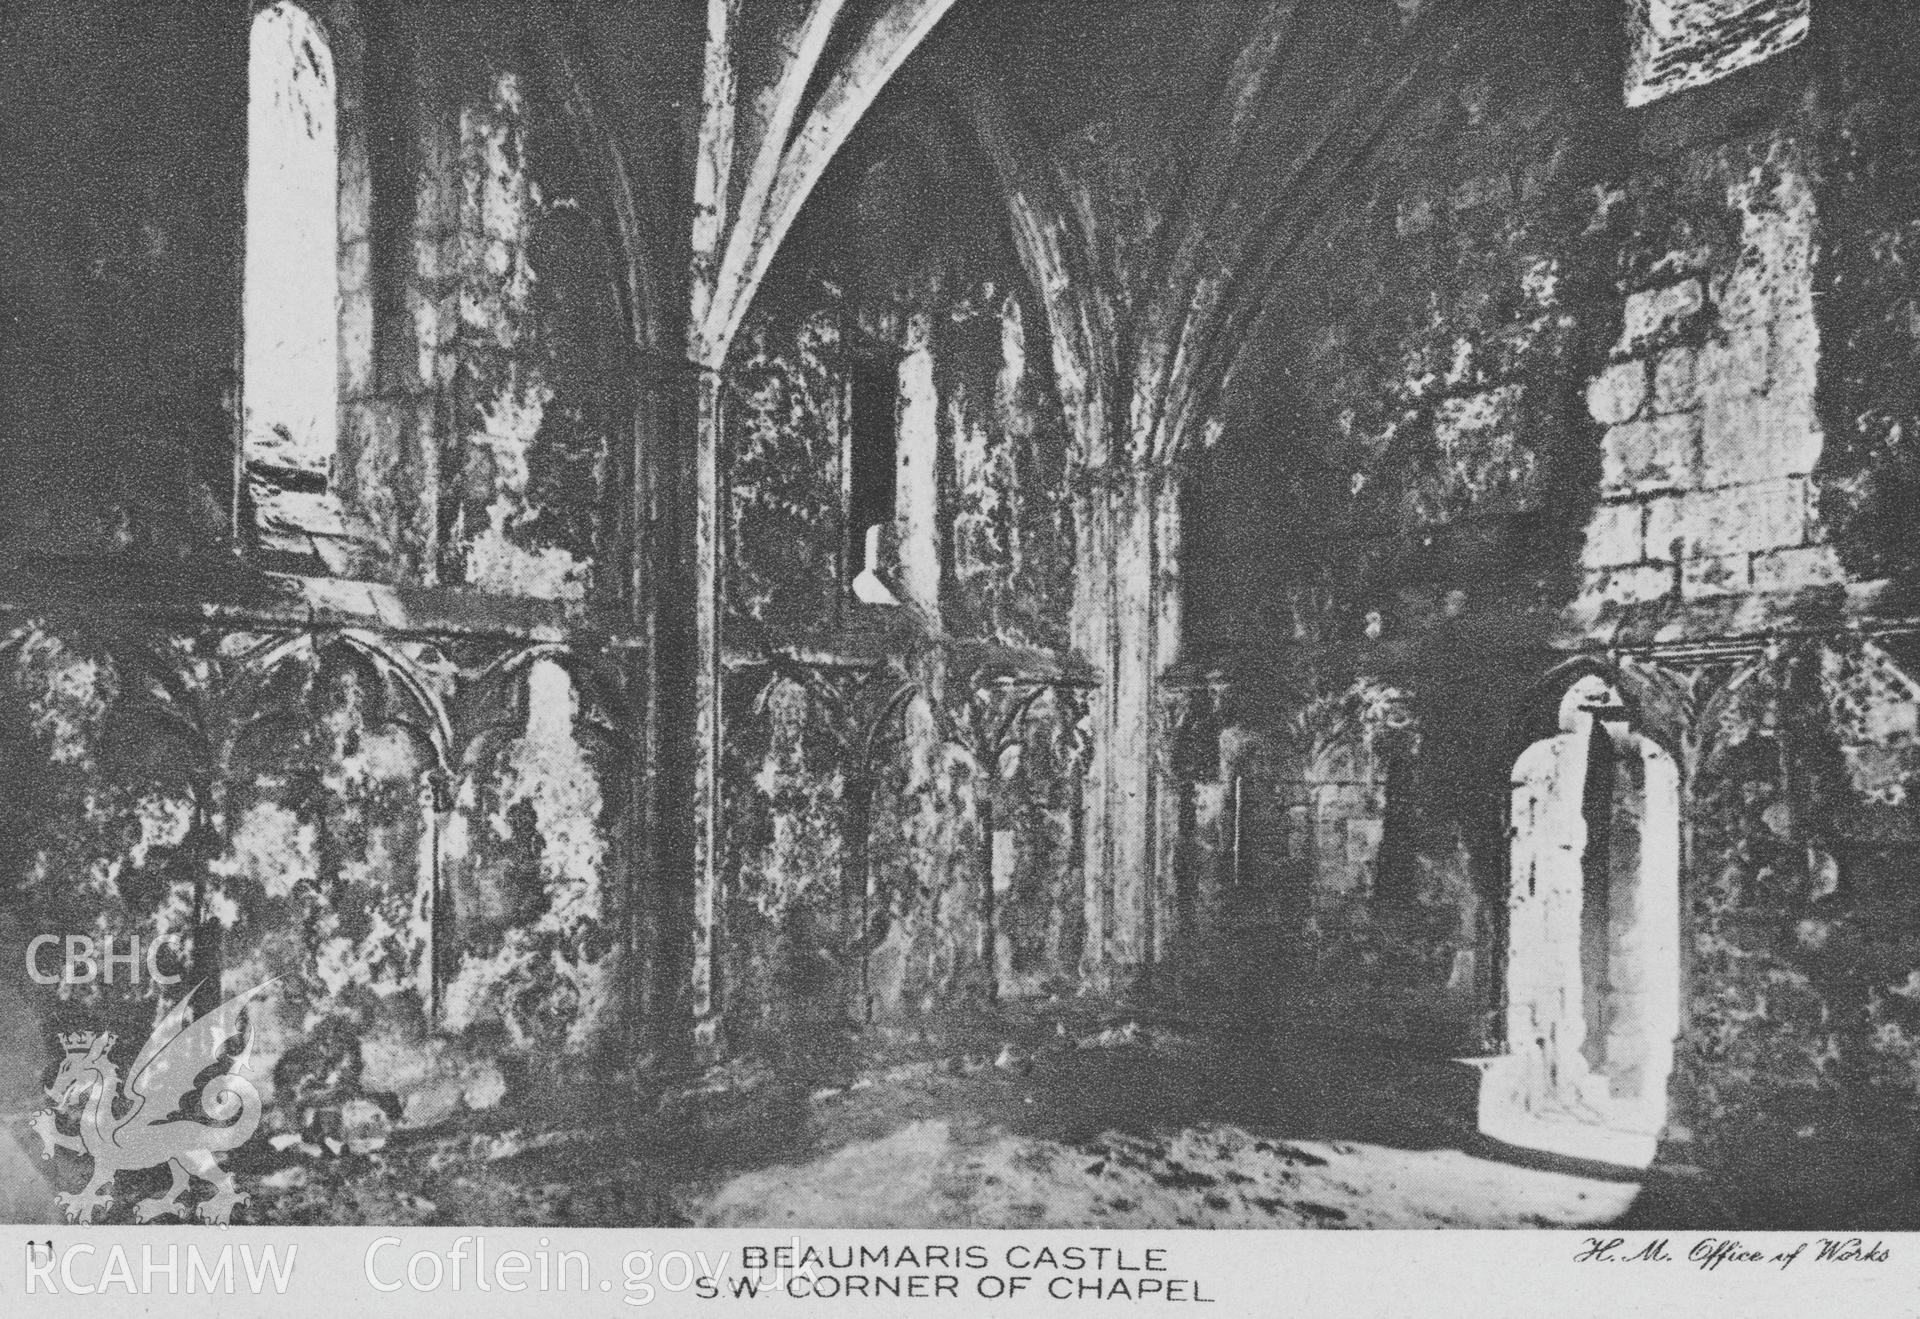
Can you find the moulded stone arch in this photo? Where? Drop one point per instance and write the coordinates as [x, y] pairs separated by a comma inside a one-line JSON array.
[[339, 722], [636, 211], [1592, 956]]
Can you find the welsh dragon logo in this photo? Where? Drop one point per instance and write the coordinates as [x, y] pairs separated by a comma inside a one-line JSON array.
[[150, 1129]]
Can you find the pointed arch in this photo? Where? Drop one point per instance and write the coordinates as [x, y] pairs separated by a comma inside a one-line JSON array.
[[774, 194], [637, 210], [1592, 982]]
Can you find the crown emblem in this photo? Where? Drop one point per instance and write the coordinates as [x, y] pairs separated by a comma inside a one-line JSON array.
[[83, 1042]]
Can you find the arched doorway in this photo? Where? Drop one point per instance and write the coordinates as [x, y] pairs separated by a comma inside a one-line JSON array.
[[1593, 957]]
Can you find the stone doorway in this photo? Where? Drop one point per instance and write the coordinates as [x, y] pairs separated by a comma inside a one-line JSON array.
[[1593, 957]]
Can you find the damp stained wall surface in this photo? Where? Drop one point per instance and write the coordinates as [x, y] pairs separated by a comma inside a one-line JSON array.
[[422, 928], [481, 445], [425, 838], [421, 839], [1566, 375], [901, 832], [1605, 341], [1393, 507], [482, 420]]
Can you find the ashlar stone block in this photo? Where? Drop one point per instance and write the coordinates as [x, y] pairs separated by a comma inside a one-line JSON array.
[[1618, 393], [1716, 574], [1644, 456], [1748, 518], [1676, 380], [1735, 363], [1613, 536], [1797, 569], [1752, 438], [1659, 313]]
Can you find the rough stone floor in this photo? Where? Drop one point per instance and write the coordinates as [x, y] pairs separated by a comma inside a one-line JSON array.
[[1148, 1129], [1050, 1121]]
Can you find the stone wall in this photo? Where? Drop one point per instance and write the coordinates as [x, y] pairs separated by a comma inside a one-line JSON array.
[[1594, 357], [1392, 519], [902, 780], [1708, 397], [1566, 377], [485, 410], [379, 746], [423, 866]]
